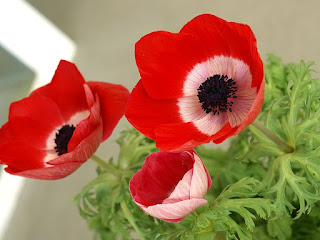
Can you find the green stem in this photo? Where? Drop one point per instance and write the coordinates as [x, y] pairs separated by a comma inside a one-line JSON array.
[[130, 219], [105, 165], [282, 145]]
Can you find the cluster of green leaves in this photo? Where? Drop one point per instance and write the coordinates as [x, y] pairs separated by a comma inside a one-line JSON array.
[[105, 203], [261, 190], [293, 114]]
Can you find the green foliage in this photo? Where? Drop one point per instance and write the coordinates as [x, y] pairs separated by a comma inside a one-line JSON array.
[[280, 228], [293, 178], [261, 190], [308, 226], [104, 202], [239, 198]]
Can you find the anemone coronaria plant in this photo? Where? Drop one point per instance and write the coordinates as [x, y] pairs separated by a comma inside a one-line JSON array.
[[203, 84]]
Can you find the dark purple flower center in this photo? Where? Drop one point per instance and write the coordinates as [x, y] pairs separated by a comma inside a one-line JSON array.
[[62, 139], [216, 94]]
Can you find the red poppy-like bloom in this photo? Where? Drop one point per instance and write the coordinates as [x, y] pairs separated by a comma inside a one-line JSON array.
[[170, 185], [59, 126], [205, 83]]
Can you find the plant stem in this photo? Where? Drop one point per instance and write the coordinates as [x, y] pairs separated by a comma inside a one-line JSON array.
[[105, 165], [282, 145], [130, 219]]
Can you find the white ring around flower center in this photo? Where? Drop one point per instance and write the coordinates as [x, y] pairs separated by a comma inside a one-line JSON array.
[[74, 120], [190, 108]]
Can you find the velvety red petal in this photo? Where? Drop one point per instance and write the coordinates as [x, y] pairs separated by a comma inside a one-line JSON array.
[[222, 137], [257, 72], [26, 130], [113, 99], [255, 62], [66, 90], [40, 109], [159, 176], [88, 125], [47, 173], [164, 60], [179, 137], [20, 156], [237, 37], [5, 133], [27, 161], [146, 113]]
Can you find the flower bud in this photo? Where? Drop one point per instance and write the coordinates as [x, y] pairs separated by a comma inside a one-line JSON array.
[[170, 185]]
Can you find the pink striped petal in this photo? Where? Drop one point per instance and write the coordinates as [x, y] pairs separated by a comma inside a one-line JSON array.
[[242, 106], [182, 190], [199, 182], [173, 212]]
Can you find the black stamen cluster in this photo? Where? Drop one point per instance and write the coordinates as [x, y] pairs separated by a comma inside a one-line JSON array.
[[216, 94], [62, 139]]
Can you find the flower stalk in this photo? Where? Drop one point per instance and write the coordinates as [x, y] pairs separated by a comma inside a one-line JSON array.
[[104, 165], [279, 142], [130, 218]]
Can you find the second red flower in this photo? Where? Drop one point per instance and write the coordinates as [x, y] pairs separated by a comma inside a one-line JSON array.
[[203, 84]]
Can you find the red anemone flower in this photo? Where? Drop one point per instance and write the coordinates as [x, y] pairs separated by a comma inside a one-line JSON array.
[[59, 126], [203, 84], [170, 185]]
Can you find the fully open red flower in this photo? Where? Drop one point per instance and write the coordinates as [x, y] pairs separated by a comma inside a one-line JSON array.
[[59, 126], [205, 83], [170, 185]]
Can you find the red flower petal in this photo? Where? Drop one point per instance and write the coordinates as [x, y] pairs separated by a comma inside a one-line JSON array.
[[164, 60], [179, 137], [159, 175], [47, 173], [224, 133], [238, 38], [66, 90], [27, 131], [20, 156], [145, 113], [40, 109], [113, 99], [88, 125]]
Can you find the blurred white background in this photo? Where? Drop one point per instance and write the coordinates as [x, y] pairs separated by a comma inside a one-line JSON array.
[[105, 32]]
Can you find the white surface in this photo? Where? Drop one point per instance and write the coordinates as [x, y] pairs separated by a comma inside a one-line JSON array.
[[32, 39]]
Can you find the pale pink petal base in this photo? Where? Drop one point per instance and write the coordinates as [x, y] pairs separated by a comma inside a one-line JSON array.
[[189, 107], [255, 109], [222, 65], [242, 106], [174, 212], [200, 179], [182, 190], [74, 120]]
